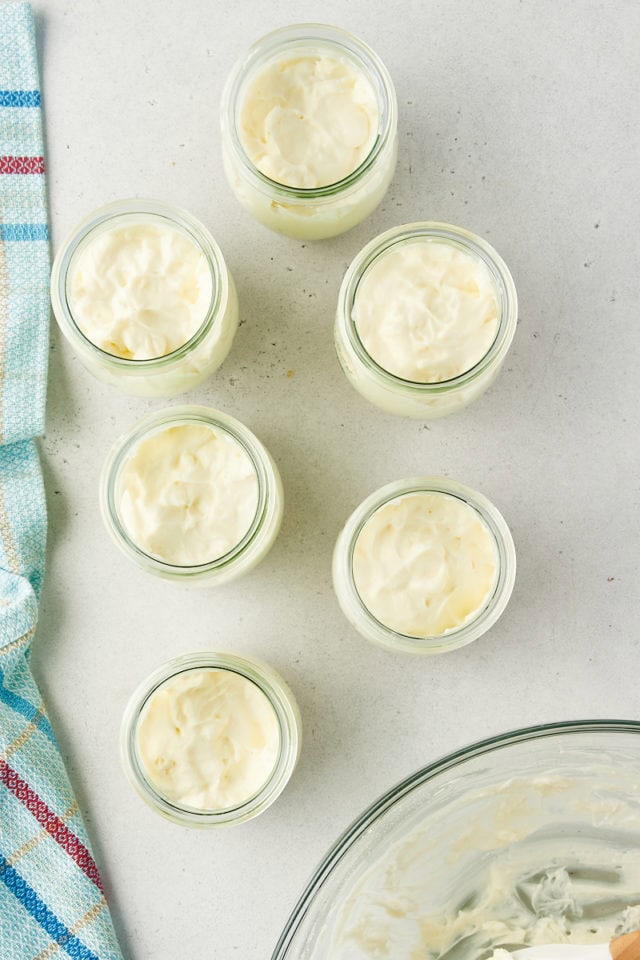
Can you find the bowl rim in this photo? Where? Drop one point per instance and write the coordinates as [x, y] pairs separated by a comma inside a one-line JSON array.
[[380, 806]]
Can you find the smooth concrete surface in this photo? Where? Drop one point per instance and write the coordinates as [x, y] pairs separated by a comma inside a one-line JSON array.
[[517, 120]]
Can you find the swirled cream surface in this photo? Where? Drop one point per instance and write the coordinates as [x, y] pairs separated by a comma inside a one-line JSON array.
[[208, 739], [308, 121], [187, 494], [426, 311], [424, 563], [140, 290]]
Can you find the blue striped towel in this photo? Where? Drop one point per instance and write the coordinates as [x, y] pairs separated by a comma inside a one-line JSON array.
[[51, 897]]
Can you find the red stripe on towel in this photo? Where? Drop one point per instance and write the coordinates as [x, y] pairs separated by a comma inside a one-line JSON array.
[[51, 822], [21, 164]]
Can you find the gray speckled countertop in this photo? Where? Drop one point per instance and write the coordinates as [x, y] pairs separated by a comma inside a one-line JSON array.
[[517, 120]]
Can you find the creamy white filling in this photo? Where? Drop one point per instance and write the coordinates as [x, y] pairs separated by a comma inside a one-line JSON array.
[[140, 290], [308, 121], [426, 311], [208, 739], [187, 494], [424, 563]]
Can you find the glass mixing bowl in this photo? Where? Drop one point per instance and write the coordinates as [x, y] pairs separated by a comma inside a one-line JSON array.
[[530, 837]]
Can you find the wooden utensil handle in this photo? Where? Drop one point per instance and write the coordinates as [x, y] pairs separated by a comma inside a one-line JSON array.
[[626, 947]]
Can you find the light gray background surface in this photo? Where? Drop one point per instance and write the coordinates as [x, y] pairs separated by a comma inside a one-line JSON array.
[[518, 120]]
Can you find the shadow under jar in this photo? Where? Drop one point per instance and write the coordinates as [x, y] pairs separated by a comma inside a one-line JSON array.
[[309, 131], [191, 495], [426, 314], [424, 566], [211, 739], [142, 293]]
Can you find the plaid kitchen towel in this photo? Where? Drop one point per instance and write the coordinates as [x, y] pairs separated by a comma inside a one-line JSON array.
[[51, 898]]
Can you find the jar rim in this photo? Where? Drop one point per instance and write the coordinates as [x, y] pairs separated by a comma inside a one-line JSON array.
[[468, 242], [299, 34], [143, 208], [154, 423], [283, 703], [494, 604]]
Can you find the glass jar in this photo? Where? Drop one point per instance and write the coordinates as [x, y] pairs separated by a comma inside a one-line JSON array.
[[188, 365], [316, 213], [372, 629], [258, 539], [286, 710], [423, 401]]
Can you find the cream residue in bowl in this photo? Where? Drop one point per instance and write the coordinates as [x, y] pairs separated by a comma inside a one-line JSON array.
[[509, 876]]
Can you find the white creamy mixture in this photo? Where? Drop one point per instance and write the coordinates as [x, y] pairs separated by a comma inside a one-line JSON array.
[[139, 291], [531, 863], [208, 739], [309, 121], [426, 311], [187, 494], [424, 563]]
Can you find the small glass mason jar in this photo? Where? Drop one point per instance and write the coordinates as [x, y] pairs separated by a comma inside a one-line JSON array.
[[258, 539], [192, 362], [482, 620], [423, 401], [320, 212], [287, 714]]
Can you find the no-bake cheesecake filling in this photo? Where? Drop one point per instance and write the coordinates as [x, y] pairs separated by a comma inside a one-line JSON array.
[[424, 564], [139, 291], [187, 494], [208, 739], [308, 120], [426, 311]]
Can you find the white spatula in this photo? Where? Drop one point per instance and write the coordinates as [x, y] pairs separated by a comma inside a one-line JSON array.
[[626, 947]]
